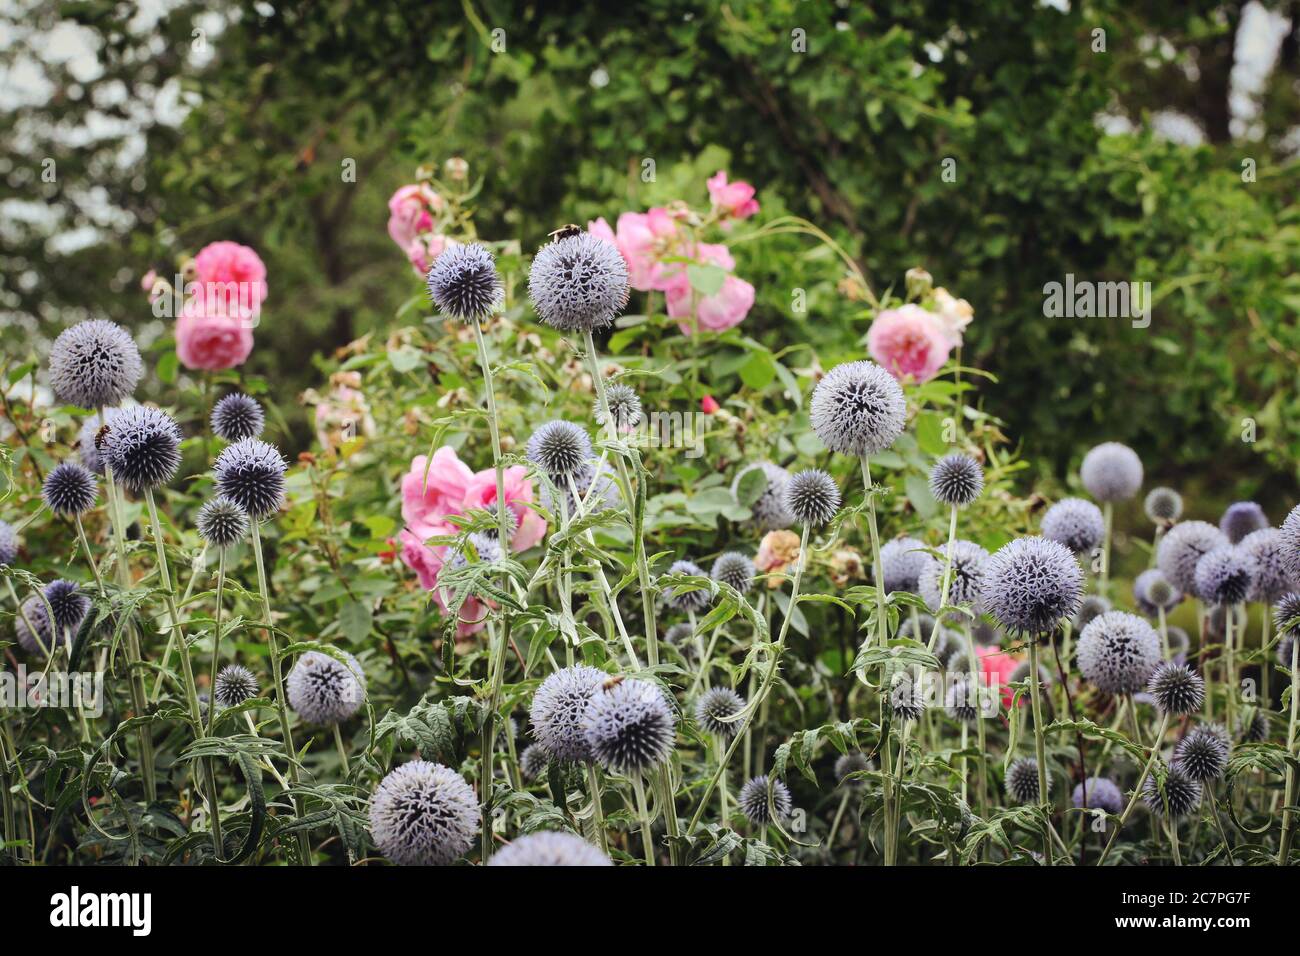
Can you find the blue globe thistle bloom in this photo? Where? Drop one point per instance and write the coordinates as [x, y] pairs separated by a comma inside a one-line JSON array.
[[549, 848], [1179, 797], [1225, 575], [1203, 753], [8, 544], [1075, 523], [1117, 652], [221, 522], [858, 409], [68, 605], [94, 364], [855, 761], [558, 708], [464, 284], [32, 628], [1152, 591], [769, 512], [251, 474], [1111, 472], [578, 283], [1092, 606], [1182, 548], [534, 761], [1163, 506], [234, 685], [956, 480], [237, 416], [143, 447], [735, 570], [323, 690], [1022, 780], [966, 580], [423, 814], [812, 497], [1240, 519], [1267, 549], [902, 561], [1176, 688], [1031, 584], [756, 807], [90, 443], [559, 448], [1098, 793], [1291, 536], [680, 598], [70, 489], [624, 407], [716, 708], [629, 726]]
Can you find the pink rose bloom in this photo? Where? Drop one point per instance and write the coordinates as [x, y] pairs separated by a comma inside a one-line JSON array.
[[644, 239], [427, 562], [212, 341], [426, 502], [732, 199], [423, 250], [481, 492], [410, 212], [997, 668], [907, 341], [717, 312], [600, 229], [232, 275]]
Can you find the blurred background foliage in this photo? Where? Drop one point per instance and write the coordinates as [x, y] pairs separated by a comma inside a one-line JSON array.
[[172, 125]]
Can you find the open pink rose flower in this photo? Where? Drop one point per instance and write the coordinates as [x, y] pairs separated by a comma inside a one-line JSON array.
[[717, 312], [233, 278], [482, 493], [426, 561], [209, 340], [908, 342], [645, 239], [732, 199], [428, 500]]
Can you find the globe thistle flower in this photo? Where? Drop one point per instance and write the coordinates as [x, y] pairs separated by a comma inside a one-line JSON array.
[[1030, 584], [624, 407], [1182, 548], [534, 761], [38, 638], [464, 284], [812, 497], [93, 364], [734, 569], [956, 480], [1098, 793], [1117, 652], [904, 699], [629, 727], [1291, 536], [323, 690], [549, 848], [965, 581], [68, 607], [1153, 591], [855, 761], [961, 702], [715, 708], [679, 634], [1225, 575], [681, 599], [578, 283], [769, 512], [1203, 753], [236, 417], [70, 489], [485, 545], [559, 448], [558, 708], [90, 443], [221, 522], [1022, 780], [8, 544], [1177, 689], [1267, 548], [604, 495], [1286, 609], [1163, 506], [754, 803], [1111, 472], [1240, 519], [901, 562], [423, 814], [1182, 794], [251, 474], [1253, 728], [1075, 523], [234, 685], [1092, 606], [143, 447], [858, 409]]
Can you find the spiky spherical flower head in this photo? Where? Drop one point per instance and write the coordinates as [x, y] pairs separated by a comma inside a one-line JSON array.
[[221, 522], [1098, 793], [559, 449], [855, 761], [534, 761], [679, 635], [603, 495], [1111, 472], [1241, 518], [8, 544], [1153, 591], [578, 283], [32, 628], [965, 581], [1291, 536], [1285, 610], [1075, 523], [1177, 689], [768, 510], [905, 700], [1267, 548], [234, 685], [143, 447], [1163, 505], [558, 708], [629, 726], [716, 708], [812, 497], [1181, 794], [624, 407], [323, 690], [464, 284], [251, 474], [1182, 549], [734, 569], [549, 848], [1030, 584], [1022, 780], [1225, 575], [755, 805], [67, 605], [423, 814], [901, 562], [1092, 606], [1117, 652], [93, 364], [956, 480], [1253, 728], [485, 546], [961, 702], [681, 599], [237, 416], [70, 489], [1203, 753], [858, 409], [90, 442]]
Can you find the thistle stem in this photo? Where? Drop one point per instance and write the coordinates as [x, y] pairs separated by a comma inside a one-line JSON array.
[[1288, 817], [876, 566], [1040, 746], [1108, 514], [90, 558], [597, 810], [1137, 789], [946, 581], [643, 815]]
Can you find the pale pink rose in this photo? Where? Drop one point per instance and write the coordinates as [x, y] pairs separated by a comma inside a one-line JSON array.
[[717, 312], [212, 340], [732, 199], [908, 342], [424, 249], [427, 562], [232, 275], [953, 315], [427, 501], [147, 280], [410, 212], [600, 229], [482, 493], [645, 239]]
